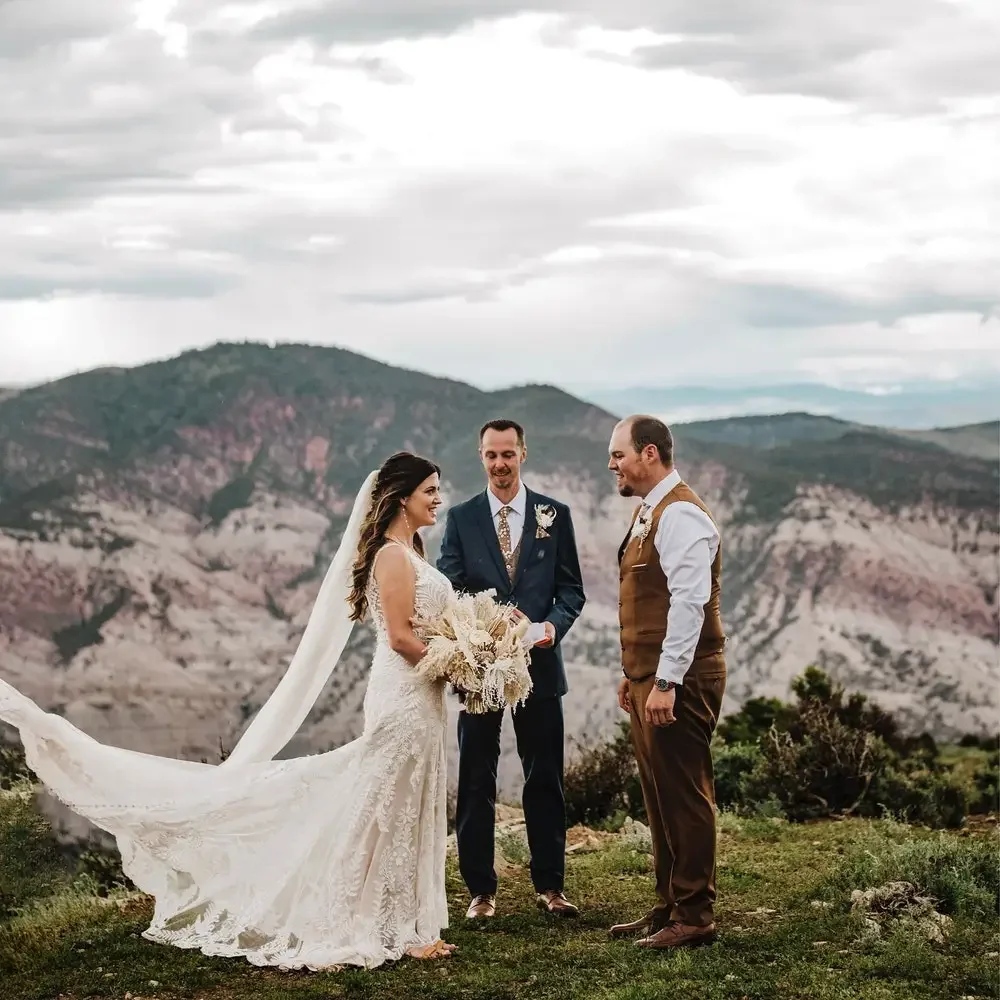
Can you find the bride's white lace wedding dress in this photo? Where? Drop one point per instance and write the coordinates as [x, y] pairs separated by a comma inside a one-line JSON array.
[[312, 862]]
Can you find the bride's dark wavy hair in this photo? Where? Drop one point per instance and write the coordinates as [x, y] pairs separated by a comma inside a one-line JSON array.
[[399, 476]]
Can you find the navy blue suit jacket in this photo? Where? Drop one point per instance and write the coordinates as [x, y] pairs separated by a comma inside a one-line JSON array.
[[547, 586]]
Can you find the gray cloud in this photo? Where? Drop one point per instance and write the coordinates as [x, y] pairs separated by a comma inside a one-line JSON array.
[[773, 306], [339, 22], [893, 55], [28, 27], [146, 282], [783, 46]]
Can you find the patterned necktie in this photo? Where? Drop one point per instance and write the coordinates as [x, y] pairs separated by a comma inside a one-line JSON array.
[[503, 533]]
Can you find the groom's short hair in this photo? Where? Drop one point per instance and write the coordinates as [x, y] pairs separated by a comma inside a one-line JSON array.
[[646, 430], [503, 425]]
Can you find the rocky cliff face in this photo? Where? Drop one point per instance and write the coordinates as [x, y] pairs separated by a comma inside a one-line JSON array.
[[163, 533]]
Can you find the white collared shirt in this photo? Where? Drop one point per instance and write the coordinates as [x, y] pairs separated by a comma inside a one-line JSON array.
[[687, 542], [515, 520], [515, 516]]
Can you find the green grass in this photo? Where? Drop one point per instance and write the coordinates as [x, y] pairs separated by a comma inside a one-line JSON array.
[[774, 941]]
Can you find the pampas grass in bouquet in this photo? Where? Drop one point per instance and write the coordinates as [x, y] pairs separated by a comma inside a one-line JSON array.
[[477, 646]]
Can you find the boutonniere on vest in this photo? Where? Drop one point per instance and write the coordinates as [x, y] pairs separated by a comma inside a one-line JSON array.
[[642, 524], [545, 515]]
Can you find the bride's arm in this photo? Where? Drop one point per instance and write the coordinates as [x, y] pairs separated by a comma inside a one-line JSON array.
[[397, 585]]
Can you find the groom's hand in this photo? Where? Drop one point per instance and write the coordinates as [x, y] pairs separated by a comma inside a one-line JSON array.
[[660, 707], [625, 696]]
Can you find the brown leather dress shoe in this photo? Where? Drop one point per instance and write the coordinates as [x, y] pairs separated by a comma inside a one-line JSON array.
[[647, 924], [484, 905], [677, 935], [556, 902]]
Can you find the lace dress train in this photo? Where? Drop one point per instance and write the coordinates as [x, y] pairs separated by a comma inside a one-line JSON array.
[[331, 859]]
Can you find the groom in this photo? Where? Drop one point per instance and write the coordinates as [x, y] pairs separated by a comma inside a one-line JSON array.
[[521, 544]]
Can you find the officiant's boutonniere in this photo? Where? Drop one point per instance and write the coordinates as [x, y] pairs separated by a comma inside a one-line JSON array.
[[545, 515]]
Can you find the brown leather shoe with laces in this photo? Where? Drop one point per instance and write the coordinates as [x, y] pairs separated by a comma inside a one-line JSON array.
[[647, 924], [553, 901], [483, 905], [677, 935]]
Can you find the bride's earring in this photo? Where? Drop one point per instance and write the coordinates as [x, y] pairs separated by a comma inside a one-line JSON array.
[[406, 521]]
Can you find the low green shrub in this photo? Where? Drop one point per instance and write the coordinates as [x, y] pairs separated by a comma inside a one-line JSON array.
[[602, 781], [31, 863], [960, 873]]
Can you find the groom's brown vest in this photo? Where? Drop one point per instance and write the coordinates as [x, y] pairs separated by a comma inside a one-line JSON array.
[[644, 596]]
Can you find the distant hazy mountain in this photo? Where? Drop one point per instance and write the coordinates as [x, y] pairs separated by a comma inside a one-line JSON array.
[[917, 406], [775, 431]]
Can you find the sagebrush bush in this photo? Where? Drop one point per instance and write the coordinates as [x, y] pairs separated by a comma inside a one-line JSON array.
[[836, 754], [602, 781], [827, 770], [986, 786], [31, 864], [103, 868], [933, 798], [13, 767], [754, 720], [733, 764], [815, 688]]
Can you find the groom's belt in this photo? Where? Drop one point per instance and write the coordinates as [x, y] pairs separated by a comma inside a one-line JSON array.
[[642, 664]]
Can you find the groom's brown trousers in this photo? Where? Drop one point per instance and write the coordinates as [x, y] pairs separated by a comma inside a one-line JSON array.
[[678, 786]]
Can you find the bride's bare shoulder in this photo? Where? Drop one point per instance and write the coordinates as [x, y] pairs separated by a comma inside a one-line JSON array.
[[392, 561]]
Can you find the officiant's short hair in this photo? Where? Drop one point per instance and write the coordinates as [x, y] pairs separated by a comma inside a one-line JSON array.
[[647, 430], [503, 425]]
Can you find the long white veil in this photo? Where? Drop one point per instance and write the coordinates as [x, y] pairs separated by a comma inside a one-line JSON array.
[[327, 631], [123, 790]]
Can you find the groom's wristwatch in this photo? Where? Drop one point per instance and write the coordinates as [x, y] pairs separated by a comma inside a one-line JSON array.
[[664, 685]]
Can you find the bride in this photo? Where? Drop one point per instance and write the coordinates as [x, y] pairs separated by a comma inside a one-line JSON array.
[[331, 859]]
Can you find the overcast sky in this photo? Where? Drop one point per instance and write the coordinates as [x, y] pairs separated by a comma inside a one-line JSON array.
[[663, 190]]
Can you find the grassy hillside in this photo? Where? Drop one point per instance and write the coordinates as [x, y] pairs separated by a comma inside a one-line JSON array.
[[786, 922]]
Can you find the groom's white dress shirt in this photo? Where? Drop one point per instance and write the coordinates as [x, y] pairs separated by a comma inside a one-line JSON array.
[[687, 542], [515, 521]]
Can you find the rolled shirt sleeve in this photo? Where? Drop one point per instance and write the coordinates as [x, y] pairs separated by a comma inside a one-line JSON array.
[[687, 542]]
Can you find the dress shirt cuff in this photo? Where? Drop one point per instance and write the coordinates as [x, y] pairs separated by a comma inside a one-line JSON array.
[[670, 670]]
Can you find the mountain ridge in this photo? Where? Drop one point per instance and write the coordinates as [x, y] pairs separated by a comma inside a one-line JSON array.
[[912, 405]]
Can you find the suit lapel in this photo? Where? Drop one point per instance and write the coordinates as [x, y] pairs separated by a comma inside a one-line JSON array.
[[527, 536], [489, 532]]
